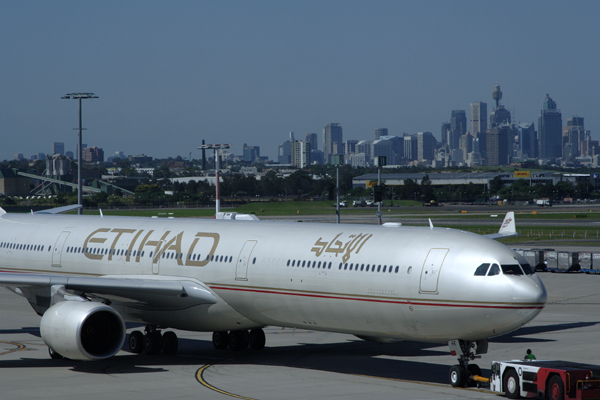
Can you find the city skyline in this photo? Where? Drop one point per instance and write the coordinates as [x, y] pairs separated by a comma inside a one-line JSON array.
[[171, 74]]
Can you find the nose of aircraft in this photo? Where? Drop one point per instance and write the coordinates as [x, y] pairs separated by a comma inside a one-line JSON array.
[[530, 292]]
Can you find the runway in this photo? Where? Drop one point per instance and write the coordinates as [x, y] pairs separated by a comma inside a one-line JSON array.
[[296, 364]]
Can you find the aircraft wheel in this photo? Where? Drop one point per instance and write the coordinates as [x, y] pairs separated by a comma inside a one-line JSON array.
[[556, 388], [473, 369], [152, 343], [220, 340], [136, 342], [257, 339], [238, 340], [169, 343], [54, 355], [458, 376], [511, 384]]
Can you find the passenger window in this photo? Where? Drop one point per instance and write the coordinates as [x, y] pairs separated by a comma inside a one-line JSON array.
[[482, 269], [494, 270]]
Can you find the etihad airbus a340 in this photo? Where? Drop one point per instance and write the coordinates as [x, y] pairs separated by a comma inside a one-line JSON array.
[[88, 275]]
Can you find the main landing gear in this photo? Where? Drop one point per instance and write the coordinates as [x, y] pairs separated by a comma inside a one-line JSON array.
[[153, 341], [239, 340], [464, 374]]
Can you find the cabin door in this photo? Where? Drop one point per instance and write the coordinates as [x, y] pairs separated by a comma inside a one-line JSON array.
[[58, 248], [241, 269], [430, 273]]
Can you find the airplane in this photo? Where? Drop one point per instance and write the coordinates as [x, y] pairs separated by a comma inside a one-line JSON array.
[[87, 275]]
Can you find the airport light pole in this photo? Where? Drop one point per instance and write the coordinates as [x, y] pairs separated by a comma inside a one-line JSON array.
[[79, 96], [216, 148], [380, 161], [337, 161]]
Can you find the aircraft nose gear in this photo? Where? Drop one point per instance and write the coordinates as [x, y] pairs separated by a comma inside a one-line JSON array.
[[463, 373]]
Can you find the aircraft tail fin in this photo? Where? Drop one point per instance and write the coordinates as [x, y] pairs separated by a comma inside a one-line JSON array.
[[507, 229]]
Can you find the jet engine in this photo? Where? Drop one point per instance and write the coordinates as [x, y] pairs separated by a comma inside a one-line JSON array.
[[83, 330]]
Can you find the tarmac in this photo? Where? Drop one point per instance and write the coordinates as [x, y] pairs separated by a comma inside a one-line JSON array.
[[296, 364]]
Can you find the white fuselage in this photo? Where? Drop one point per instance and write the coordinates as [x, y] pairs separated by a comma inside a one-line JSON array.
[[420, 283]]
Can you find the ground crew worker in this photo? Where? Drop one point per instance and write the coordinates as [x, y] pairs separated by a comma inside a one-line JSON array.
[[529, 356]]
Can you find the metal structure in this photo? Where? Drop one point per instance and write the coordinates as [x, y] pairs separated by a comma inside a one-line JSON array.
[[79, 96], [216, 148]]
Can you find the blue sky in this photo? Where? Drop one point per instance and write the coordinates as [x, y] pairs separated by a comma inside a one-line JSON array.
[[171, 73]]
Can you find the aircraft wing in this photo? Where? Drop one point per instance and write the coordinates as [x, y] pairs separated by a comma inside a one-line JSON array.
[[132, 291], [59, 210], [507, 229]]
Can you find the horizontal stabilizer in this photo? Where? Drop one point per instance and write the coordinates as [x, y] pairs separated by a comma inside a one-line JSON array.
[[59, 210], [508, 228]]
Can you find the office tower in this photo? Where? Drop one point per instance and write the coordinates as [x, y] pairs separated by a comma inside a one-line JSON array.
[[312, 139], [58, 148], [458, 127], [576, 136], [300, 154], [411, 147], [332, 135], [445, 132], [466, 145], [365, 147], [497, 146], [527, 141], [398, 146], [93, 154], [350, 146], [425, 146], [478, 117], [379, 132], [251, 153], [383, 148], [550, 130]]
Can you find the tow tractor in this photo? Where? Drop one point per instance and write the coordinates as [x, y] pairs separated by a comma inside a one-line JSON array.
[[554, 380]]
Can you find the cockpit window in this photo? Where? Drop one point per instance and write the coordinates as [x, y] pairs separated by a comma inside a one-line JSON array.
[[482, 269], [527, 268], [512, 269], [494, 270]]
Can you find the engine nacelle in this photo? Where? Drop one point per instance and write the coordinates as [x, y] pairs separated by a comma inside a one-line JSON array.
[[83, 330]]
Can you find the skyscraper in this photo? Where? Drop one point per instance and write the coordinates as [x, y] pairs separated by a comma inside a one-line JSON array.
[[425, 146], [332, 135], [300, 154], [58, 148], [478, 118], [379, 132], [550, 130], [312, 139], [497, 145], [458, 127], [527, 140]]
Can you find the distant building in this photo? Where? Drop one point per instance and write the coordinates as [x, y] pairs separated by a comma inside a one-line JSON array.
[[411, 147], [364, 147], [478, 117], [379, 132], [497, 146], [527, 141], [550, 130], [140, 160], [332, 136], [350, 146], [458, 127], [300, 154], [93, 154], [425, 146], [312, 139], [251, 153], [58, 148], [19, 156]]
